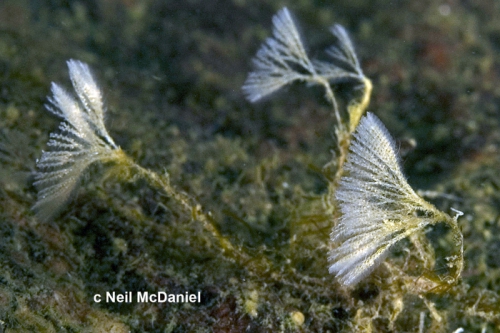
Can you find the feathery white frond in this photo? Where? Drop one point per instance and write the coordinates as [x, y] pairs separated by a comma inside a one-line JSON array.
[[278, 60], [282, 59], [90, 97], [82, 139], [378, 206], [345, 63]]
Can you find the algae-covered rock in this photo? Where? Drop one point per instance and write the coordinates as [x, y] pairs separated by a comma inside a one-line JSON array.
[[249, 224]]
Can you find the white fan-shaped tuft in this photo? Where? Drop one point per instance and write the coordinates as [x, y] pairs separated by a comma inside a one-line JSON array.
[[278, 60], [378, 206], [283, 59], [82, 139]]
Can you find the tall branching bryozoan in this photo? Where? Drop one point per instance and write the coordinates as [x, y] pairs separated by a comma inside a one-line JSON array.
[[379, 208], [282, 59], [82, 140]]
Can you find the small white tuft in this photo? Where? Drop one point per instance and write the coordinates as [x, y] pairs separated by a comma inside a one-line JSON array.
[[378, 206], [344, 63], [276, 61], [283, 59], [81, 140]]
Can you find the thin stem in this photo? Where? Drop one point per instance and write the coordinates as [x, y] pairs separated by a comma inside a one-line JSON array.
[[356, 109], [331, 98], [162, 182]]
